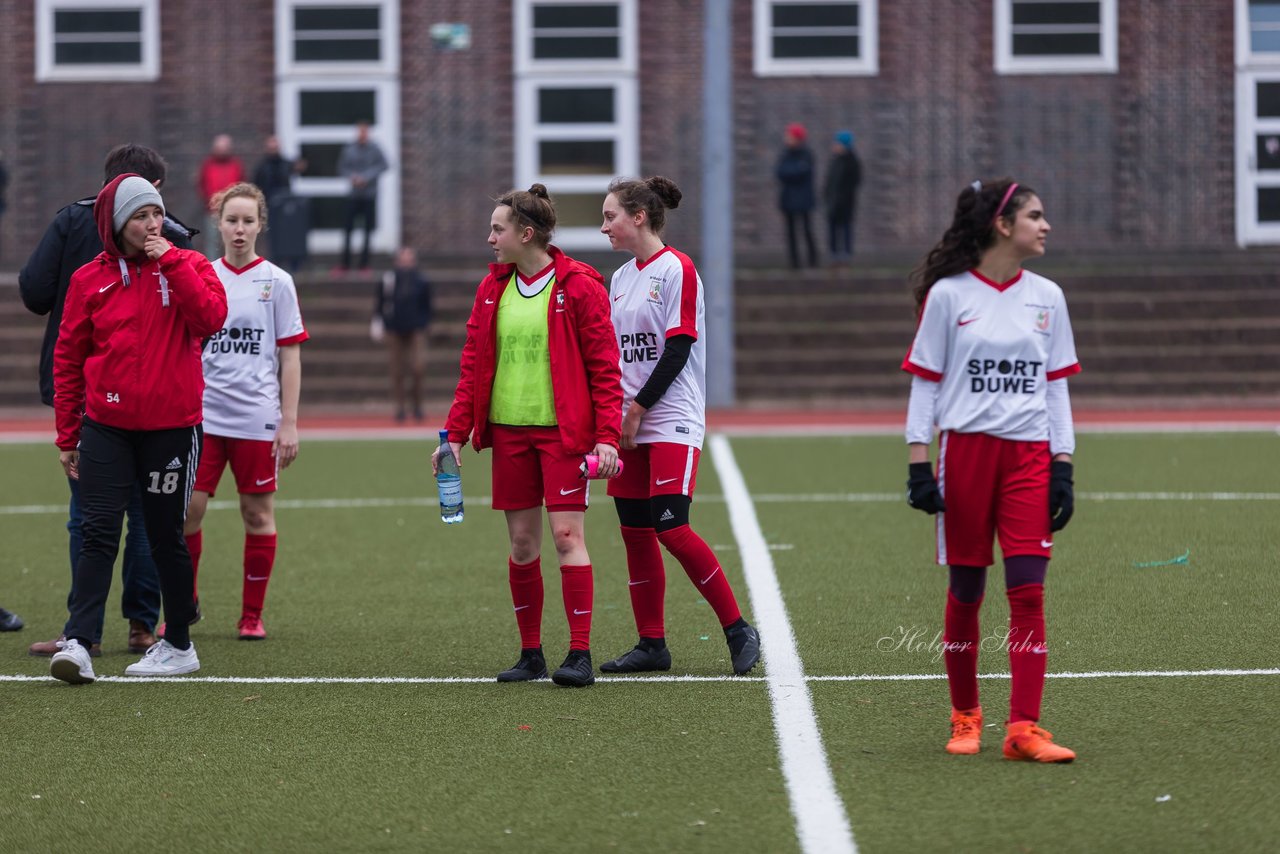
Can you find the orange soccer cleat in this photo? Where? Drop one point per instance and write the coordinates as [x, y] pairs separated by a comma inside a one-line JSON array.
[[966, 731], [1028, 742]]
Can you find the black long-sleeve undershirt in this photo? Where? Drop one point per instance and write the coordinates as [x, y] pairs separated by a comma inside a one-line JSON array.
[[674, 357]]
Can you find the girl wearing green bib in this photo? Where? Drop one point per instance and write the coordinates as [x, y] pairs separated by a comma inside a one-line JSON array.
[[540, 384]]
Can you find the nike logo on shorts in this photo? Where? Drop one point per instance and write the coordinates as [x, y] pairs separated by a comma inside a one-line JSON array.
[[663, 481], [1046, 544], [570, 491], [264, 482]]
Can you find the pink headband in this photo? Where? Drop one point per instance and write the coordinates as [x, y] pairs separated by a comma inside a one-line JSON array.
[[1008, 194]]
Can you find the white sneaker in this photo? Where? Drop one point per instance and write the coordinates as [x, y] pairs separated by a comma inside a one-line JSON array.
[[71, 663], [165, 659]]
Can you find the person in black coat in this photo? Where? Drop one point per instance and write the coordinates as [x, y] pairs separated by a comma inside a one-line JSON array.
[[839, 196], [401, 315], [796, 199], [274, 177], [70, 242]]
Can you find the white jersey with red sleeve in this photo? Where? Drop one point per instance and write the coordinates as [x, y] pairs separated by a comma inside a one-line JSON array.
[[650, 302], [993, 348], [241, 363]]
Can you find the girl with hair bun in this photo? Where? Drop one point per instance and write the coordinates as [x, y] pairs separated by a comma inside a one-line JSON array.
[[990, 362], [539, 383], [658, 316]]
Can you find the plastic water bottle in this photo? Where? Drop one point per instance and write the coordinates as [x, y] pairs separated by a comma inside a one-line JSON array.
[[449, 483]]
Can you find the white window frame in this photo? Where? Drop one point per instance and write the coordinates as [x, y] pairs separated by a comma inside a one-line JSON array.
[[48, 71], [628, 50], [1245, 55], [866, 65], [385, 132], [388, 17], [1106, 62]]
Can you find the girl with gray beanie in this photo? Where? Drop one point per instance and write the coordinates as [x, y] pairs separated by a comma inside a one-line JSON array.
[[127, 397]]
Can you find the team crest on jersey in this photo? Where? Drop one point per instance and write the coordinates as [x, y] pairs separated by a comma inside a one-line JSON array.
[[1042, 320], [655, 289], [560, 298], [264, 294]]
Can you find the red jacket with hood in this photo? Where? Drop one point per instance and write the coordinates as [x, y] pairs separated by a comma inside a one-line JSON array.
[[586, 382], [123, 357]]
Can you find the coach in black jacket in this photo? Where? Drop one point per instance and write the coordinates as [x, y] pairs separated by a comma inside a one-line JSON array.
[[70, 242]]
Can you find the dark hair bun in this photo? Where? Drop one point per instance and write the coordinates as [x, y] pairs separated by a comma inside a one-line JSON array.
[[666, 190], [540, 191]]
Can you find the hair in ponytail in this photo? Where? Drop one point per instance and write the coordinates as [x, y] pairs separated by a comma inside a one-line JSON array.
[[532, 208], [655, 196], [972, 232]]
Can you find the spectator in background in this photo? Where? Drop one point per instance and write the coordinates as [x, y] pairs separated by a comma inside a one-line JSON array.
[[274, 177], [9, 621], [401, 315], [70, 242], [220, 169], [795, 172], [839, 196], [4, 185], [362, 163]]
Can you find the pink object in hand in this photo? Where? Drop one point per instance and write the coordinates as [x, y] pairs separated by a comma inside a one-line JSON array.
[[590, 467]]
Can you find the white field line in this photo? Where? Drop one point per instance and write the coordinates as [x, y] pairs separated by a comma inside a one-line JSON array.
[[636, 680], [821, 823], [762, 498]]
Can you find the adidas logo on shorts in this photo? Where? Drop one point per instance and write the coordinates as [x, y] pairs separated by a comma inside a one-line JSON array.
[[175, 463], [666, 514]]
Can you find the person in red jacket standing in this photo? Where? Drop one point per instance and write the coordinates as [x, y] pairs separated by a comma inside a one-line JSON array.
[[218, 171], [127, 398], [540, 384]]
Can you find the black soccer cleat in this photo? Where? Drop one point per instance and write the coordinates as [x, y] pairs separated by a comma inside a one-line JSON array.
[[576, 670], [531, 666], [639, 660], [744, 648], [9, 621]]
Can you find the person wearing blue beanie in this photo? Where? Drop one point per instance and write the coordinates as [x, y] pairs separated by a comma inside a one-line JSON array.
[[839, 196]]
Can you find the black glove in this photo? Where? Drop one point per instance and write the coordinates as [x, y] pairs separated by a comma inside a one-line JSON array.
[[1062, 494], [922, 489]]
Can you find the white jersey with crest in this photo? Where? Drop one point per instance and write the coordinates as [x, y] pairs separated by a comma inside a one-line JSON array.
[[650, 302], [241, 363], [994, 347]]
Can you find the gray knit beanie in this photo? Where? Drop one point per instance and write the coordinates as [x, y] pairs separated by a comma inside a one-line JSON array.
[[132, 193]]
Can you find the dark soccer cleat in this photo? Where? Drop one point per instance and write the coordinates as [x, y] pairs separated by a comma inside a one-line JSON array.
[[639, 660], [576, 670], [530, 666], [744, 648], [9, 621]]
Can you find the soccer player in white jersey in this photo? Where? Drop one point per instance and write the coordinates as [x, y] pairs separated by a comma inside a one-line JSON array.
[[658, 315], [253, 375], [990, 362]]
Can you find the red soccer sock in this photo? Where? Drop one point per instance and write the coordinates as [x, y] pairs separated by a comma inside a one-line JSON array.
[[960, 651], [703, 569], [1027, 652], [647, 581], [259, 558], [195, 545], [578, 588], [526, 598]]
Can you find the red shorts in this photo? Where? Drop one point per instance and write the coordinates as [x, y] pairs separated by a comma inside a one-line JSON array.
[[992, 487], [530, 466], [660, 468], [252, 463]]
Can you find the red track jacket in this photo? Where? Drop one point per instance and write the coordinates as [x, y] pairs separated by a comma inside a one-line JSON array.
[[123, 357], [586, 382]]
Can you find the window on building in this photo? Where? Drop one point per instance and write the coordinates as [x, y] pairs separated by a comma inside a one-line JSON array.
[[576, 106], [816, 37], [327, 36], [1055, 36], [1262, 18], [81, 41]]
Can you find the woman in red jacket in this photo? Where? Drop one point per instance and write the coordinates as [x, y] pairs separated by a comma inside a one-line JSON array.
[[127, 397], [540, 385]]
